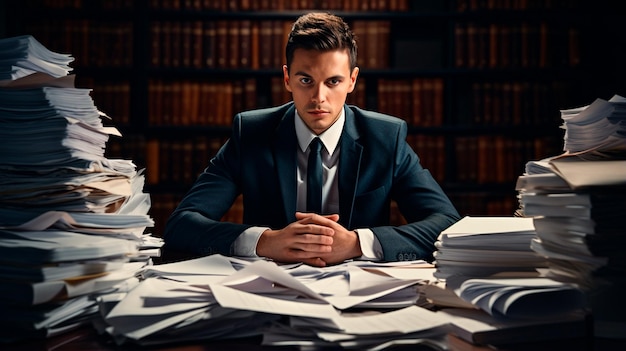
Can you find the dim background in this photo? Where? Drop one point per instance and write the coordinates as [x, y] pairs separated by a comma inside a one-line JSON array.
[[480, 82]]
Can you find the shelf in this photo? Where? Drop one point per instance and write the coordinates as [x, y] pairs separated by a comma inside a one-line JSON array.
[[476, 114]]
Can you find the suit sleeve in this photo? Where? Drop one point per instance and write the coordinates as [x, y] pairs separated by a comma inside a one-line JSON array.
[[195, 224], [422, 202]]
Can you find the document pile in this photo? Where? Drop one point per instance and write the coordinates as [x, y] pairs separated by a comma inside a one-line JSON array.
[[217, 297], [476, 247], [72, 222], [596, 131], [24, 56], [577, 202], [488, 262]]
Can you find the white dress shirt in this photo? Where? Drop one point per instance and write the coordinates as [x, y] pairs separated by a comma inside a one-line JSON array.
[[245, 245]]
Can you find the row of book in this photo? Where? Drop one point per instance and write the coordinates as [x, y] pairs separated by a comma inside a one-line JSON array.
[[352, 5], [419, 101], [248, 43], [515, 45], [280, 5], [81, 4], [498, 159], [221, 43], [189, 103], [512, 103], [179, 161], [95, 43], [476, 5], [184, 103]]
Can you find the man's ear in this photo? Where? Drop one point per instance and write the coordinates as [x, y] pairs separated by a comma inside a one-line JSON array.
[[286, 78], [353, 78]]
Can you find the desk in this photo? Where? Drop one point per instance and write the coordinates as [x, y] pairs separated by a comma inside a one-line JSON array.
[[86, 339]]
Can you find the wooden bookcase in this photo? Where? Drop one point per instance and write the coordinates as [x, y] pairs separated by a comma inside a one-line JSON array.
[[480, 82]]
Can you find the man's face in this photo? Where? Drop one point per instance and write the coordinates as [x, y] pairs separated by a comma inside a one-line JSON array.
[[319, 83]]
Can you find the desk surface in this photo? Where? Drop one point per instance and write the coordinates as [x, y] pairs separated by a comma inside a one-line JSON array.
[[86, 338]]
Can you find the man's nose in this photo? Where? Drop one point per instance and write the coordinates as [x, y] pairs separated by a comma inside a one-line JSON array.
[[319, 93]]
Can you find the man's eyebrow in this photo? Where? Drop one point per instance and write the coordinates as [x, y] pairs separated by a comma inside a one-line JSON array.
[[301, 73], [337, 77]]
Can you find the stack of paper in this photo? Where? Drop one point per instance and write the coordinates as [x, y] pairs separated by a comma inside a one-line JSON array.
[[488, 263], [596, 129], [577, 202], [24, 55], [72, 222], [520, 298], [219, 297], [484, 246], [579, 228]]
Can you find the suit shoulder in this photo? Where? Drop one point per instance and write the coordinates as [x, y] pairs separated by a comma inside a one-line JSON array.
[[264, 113], [255, 125], [377, 119]]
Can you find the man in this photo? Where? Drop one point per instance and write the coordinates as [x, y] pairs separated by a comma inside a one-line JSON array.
[[366, 164]]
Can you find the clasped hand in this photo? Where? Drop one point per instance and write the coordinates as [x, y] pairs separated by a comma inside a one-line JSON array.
[[317, 240]]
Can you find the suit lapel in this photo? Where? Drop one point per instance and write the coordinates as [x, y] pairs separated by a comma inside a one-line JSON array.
[[349, 168], [285, 156]]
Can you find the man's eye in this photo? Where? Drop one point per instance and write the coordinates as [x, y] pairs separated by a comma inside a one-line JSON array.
[[305, 80], [334, 82]]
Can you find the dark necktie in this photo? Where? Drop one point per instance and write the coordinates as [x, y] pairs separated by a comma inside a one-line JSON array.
[[314, 177]]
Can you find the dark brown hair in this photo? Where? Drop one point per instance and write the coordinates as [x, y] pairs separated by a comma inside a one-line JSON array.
[[321, 32]]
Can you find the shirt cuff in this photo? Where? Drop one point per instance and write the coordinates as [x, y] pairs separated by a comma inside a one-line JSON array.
[[370, 246], [245, 244]]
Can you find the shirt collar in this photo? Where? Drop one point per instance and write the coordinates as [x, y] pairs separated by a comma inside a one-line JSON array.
[[330, 137]]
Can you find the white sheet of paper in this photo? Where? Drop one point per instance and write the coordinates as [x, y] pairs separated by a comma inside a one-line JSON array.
[[405, 320], [585, 173], [274, 273], [233, 298], [366, 286], [207, 265]]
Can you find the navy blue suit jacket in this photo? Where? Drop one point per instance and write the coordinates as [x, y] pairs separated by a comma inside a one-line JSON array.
[[376, 165]]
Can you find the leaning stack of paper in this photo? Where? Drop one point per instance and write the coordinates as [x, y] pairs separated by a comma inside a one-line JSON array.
[[24, 56], [579, 228], [484, 246], [579, 223], [578, 205], [219, 297], [597, 130], [72, 222]]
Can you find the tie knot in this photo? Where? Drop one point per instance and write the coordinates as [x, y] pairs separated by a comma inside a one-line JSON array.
[[316, 145]]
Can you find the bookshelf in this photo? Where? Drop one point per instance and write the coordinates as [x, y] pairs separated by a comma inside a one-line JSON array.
[[480, 82]]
